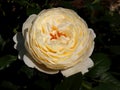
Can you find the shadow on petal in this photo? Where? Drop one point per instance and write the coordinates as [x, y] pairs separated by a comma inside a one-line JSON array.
[[24, 55], [30, 62], [19, 44]]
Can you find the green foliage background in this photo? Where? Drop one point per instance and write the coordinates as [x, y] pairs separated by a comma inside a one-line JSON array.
[[105, 75]]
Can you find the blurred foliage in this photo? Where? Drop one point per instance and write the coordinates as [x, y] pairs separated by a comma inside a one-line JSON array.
[[101, 15]]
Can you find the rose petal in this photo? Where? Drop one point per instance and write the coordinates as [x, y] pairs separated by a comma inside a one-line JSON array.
[[15, 40], [80, 67], [28, 23], [28, 61], [21, 54], [19, 45], [90, 51], [31, 63], [92, 32], [19, 41]]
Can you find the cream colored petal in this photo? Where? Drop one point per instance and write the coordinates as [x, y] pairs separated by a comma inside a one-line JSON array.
[[28, 23], [92, 32], [19, 45], [80, 67], [31, 63], [91, 49]]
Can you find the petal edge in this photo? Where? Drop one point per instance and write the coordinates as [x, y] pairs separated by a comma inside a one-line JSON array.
[[31, 63], [80, 67]]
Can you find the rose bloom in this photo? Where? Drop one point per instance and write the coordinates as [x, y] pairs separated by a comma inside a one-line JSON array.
[[56, 40]]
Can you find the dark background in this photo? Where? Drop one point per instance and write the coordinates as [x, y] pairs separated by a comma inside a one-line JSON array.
[[103, 16]]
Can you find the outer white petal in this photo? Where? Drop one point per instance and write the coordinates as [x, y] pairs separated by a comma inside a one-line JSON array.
[[28, 23], [92, 33], [80, 67], [28, 61], [31, 63], [15, 39]]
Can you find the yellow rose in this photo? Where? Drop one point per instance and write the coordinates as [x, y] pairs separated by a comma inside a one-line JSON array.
[[56, 40]]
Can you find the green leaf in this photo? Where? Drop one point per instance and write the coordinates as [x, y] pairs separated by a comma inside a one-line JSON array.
[[95, 1], [106, 86], [5, 61], [33, 9], [66, 4], [1, 40], [115, 49], [28, 71], [107, 77], [86, 85], [41, 82], [108, 82], [2, 43], [6, 85], [70, 83], [102, 64], [22, 2]]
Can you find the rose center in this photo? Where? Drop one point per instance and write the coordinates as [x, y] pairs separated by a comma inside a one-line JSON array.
[[55, 34]]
